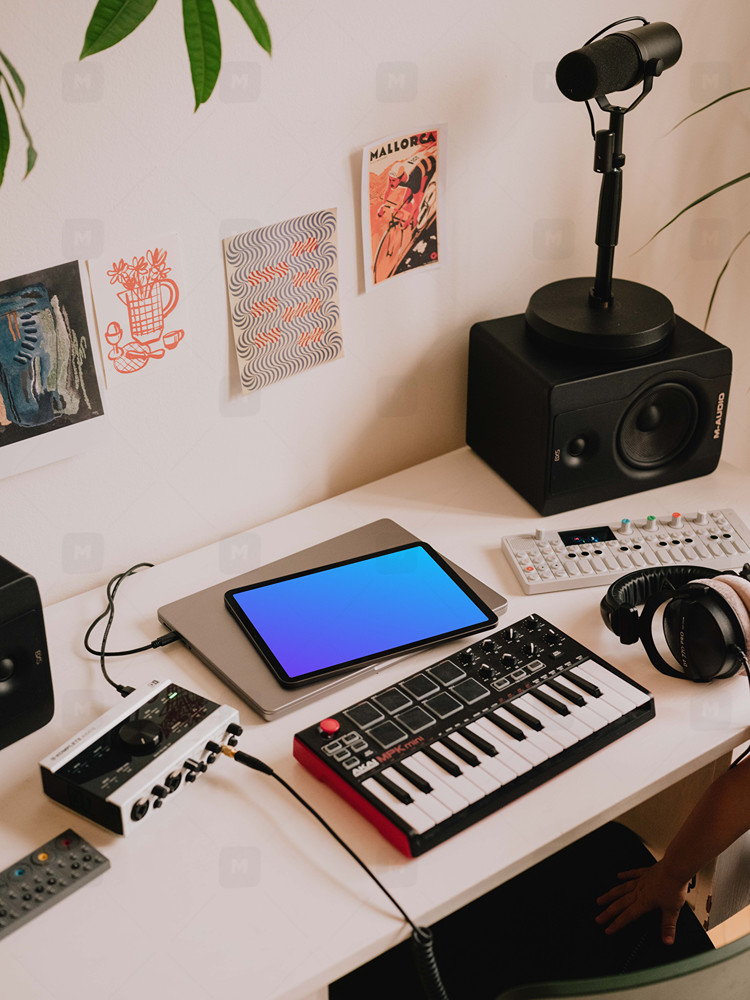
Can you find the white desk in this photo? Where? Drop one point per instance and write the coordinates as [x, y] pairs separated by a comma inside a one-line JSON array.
[[232, 889]]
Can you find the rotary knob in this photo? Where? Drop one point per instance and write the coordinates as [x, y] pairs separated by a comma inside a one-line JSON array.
[[140, 736], [651, 523], [626, 527], [676, 520]]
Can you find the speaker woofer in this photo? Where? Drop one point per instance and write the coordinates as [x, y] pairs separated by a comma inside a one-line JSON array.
[[658, 426]]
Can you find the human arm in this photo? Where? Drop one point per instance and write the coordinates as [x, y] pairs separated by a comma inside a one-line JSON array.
[[720, 816]]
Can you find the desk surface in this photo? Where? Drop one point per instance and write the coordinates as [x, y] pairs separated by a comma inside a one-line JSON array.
[[233, 889]]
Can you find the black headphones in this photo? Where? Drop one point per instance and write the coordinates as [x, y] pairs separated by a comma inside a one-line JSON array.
[[706, 619]]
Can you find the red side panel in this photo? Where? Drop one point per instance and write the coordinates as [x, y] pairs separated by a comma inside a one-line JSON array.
[[328, 776]]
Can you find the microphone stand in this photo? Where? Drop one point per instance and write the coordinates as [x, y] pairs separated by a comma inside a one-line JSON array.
[[612, 317]]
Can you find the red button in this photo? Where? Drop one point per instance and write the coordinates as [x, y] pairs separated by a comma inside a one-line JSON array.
[[329, 726]]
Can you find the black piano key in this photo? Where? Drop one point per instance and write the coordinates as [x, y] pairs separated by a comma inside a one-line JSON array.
[[583, 683], [550, 702], [507, 727], [394, 789], [466, 755], [530, 720], [447, 765], [567, 692], [415, 779], [481, 744]]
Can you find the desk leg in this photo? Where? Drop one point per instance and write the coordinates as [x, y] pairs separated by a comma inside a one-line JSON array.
[[657, 820]]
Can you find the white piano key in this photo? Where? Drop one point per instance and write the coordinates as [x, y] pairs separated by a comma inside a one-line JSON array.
[[426, 801], [494, 765], [411, 813], [449, 797], [618, 701], [481, 778], [541, 740], [509, 758], [580, 712], [552, 727], [599, 705], [525, 748], [616, 683], [459, 784]]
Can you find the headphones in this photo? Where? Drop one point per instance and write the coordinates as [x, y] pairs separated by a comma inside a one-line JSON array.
[[706, 618]]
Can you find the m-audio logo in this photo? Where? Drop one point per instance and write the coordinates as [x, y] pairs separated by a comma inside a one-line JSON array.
[[719, 415]]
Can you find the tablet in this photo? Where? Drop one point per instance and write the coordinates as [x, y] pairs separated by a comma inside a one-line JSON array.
[[333, 618]]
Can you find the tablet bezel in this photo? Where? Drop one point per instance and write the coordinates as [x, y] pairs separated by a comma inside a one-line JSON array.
[[277, 669]]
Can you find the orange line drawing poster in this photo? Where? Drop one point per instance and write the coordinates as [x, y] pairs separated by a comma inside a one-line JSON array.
[[402, 181], [139, 305]]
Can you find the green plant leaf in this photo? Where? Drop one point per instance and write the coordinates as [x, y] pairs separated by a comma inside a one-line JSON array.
[[15, 75], [203, 45], [704, 197], [255, 22], [112, 21], [4, 139], [721, 274], [710, 104], [30, 151]]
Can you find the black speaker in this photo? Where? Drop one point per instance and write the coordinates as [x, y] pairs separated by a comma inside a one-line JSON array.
[[26, 697], [566, 428]]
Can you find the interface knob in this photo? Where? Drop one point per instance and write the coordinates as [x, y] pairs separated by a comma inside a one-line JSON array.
[[676, 521], [140, 736], [626, 527]]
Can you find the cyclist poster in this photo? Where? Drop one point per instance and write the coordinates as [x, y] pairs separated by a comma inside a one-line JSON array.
[[401, 183]]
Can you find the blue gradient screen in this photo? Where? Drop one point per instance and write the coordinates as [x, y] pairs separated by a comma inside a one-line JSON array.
[[358, 610]]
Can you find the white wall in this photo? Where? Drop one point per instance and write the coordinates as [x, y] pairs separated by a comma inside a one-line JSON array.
[[122, 156]]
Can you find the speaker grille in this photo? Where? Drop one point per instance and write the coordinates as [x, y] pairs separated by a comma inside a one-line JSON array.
[[658, 426]]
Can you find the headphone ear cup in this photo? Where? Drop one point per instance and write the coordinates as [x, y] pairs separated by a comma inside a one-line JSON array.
[[703, 626]]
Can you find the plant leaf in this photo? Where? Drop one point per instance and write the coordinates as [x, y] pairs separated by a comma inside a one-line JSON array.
[[16, 77], [710, 104], [203, 45], [255, 22], [30, 151], [112, 21], [704, 197], [721, 274], [4, 139]]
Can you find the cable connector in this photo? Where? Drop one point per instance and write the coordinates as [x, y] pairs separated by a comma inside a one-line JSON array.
[[164, 640], [244, 758], [124, 689]]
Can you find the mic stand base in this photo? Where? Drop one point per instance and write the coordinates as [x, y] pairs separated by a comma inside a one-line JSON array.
[[636, 322]]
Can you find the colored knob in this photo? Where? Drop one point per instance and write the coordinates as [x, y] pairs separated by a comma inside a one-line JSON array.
[[626, 527], [651, 523], [676, 521]]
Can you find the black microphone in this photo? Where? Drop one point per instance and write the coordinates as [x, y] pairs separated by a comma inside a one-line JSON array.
[[618, 61]]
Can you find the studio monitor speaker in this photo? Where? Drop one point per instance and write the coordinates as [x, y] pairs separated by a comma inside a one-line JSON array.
[[26, 696], [566, 429]]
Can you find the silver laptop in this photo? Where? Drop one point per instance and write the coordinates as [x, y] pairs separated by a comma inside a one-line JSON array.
[[207, 628]]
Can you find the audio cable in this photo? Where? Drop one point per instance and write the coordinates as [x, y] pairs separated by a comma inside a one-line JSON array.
[[109, 613], [422, 939]]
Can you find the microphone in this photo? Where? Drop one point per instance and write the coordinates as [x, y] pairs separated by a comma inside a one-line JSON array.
[[618, 61]]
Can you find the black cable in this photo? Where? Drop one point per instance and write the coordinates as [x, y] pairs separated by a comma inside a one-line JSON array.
[[422, 940], [746, 665], [112, 588]]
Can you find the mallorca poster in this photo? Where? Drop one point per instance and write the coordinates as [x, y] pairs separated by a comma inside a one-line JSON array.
[[402, 183]]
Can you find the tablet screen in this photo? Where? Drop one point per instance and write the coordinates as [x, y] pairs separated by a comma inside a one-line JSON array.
[[334, 617]]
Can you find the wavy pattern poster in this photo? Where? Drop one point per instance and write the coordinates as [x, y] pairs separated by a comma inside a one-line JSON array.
[[284, 297]]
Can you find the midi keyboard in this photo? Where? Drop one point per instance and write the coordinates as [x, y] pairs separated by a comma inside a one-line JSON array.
[[429, 756]]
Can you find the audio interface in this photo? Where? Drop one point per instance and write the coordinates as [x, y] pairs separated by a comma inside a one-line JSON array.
[[130, 761]]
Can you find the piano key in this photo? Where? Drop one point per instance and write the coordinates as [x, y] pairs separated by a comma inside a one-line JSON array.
[[439, 758], [578, 729], [466, 755], [568, 693], [550, 721], [523, 716], [441, 790], [411, 814], [509, 728], [491, 762], [596, 702], [480, 742], [525, 748], [426, 802], [507, 756], [619, 703], [402, 795], [484, 780], [608, 681], [542, 693], [539, 739], [583, 683], [420, 783], [584, 714], [438, 765]]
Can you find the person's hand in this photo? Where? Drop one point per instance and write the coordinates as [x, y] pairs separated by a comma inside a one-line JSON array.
[[643, 890]]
